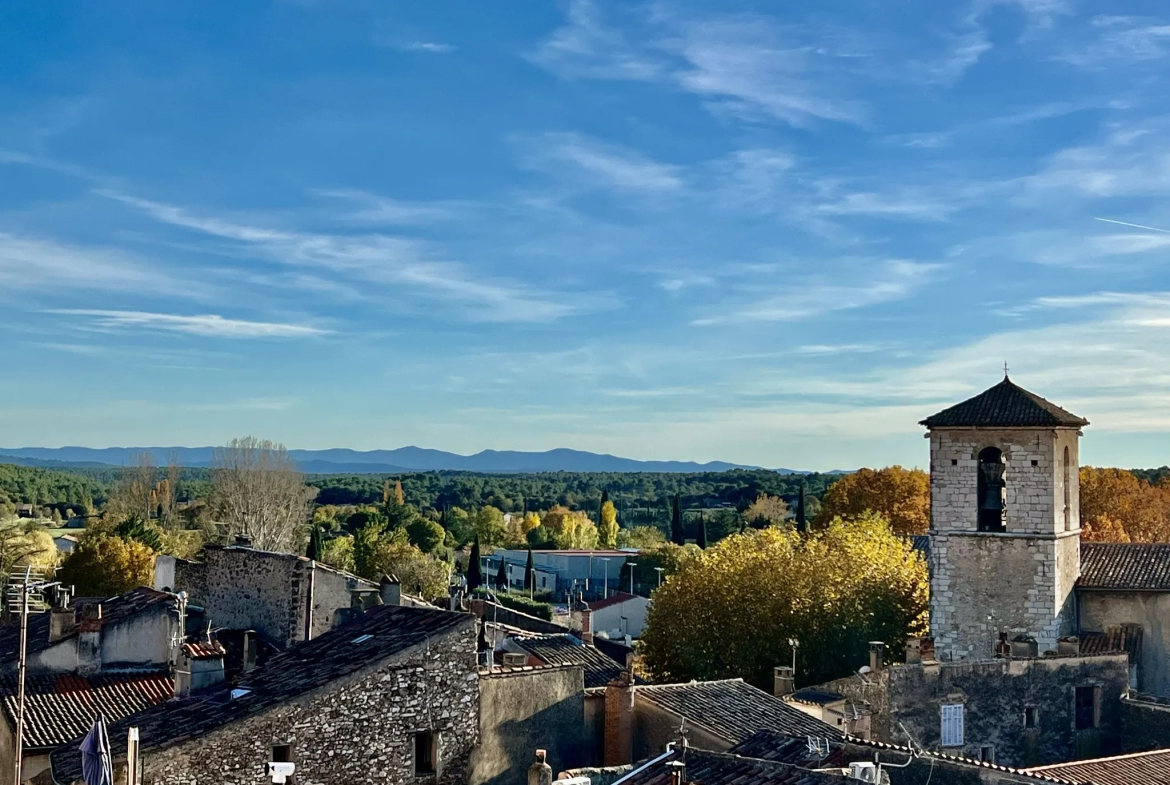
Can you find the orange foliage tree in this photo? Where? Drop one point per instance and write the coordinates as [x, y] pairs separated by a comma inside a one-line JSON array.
[[1117, 506], [901, 496]]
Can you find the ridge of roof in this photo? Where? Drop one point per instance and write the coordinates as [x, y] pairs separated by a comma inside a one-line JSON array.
[[1004, 405]]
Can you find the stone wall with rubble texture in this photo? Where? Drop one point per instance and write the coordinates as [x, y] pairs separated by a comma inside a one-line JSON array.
[[983, 583], [355, 731], [995, 694]]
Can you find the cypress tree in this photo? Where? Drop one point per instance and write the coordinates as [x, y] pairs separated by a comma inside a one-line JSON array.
[[801, 525], [316, 545], [529, 575], [604, 499], [474, 571], [701, 540], [502, 575], [676, 530]]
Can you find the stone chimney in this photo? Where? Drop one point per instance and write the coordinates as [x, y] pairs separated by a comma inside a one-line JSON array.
[[200, 666], [1069, 646], [783, 681], [1003, 649], [62, 618], [89, 639], [877, 654], [540, 773], [391, 590], [619, 721]]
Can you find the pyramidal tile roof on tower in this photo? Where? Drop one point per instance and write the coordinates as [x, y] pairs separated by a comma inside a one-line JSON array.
[[1006, 405]]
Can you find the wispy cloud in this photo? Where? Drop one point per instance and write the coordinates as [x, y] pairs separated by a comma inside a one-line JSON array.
[[433, 47], [1117, 40], [894, 280], [585, 47], [206, 325], [374, 210], [606, 165], [379, 259]]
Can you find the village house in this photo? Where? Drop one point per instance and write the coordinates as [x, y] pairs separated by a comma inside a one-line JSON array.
[[284, 597], [620, 615], [392, 696]]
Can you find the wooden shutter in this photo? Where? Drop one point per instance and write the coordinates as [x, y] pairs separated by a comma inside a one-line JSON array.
[[952, 725]]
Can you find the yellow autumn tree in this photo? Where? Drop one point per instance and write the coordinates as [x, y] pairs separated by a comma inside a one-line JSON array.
[[607, 531], [901, 496], [102, 566], [730, 610]]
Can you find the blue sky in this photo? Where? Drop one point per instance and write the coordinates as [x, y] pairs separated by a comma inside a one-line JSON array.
[[777, 234]]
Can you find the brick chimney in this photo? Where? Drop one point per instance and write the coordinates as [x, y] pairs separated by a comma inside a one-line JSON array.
[[62, 618], [877, 653], [540, 773], [619, 721], [783, 681], [587, 626]]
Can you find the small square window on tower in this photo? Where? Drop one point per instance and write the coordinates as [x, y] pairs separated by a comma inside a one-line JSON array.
[[1035, 462], [954, 461]]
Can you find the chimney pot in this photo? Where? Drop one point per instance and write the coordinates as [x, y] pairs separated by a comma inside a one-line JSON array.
[[877, 652], [540, 773], [783, 681], [391, 590], [62, 623]]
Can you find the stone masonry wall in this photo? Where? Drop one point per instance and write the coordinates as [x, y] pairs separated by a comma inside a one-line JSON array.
[[353, 732], [1100, 610], [983, 583], [242, 588], [995, 694]]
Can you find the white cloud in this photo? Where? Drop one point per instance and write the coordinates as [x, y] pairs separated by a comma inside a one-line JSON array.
[[585, 47], [1120, 40], [607, 165], [427, 46], [206, 325], [380, 259], [371, 209], [894, 280]]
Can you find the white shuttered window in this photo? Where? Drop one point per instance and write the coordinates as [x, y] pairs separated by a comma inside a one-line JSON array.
[[952, 725]]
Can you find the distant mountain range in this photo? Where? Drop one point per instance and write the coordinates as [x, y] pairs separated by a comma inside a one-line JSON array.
[[403, 459]]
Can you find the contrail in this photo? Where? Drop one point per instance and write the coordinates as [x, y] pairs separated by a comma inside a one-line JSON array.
[[1135, 226]]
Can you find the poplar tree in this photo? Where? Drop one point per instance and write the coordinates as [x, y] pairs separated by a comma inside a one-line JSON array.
[[474, 571], [676, 530]]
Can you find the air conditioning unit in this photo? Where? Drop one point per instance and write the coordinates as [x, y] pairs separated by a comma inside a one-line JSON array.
[[514, 660], [863, 772]]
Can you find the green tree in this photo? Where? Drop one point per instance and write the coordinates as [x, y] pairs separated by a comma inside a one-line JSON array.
[[25, 543], [316, 547], [676, 529], [102, 566], [135, 528], [641, 537], [489, 526], [420, 574], [801, 522], [833, 589], [701, 540], [474, 568], [338, 553], [425, 534], [502, 575], [529, 575], [766, 511]]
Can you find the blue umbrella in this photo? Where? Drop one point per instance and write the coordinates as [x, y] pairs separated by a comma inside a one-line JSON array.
[[97, 767]]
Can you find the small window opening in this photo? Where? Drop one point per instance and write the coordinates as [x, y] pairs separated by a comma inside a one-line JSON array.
[[991, 491], [987, 754], [1088, 707], [281, 753], [954, 461], [1035, 462], [1031, 718], [426, 753]]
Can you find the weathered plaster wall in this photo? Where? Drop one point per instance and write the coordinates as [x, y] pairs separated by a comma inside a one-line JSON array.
[[523, 712], [1145, 725], [1099, 610], [595, 725], [356, 731], [610, 619], [995, 694], [1019, 581], [655, 727]]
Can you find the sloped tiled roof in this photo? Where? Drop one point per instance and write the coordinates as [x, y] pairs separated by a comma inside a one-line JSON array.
[[380, 633], [614, 599], [733, 709], [1147, 768], [60, 708], [565, 649], [1126, 640], [781, 747], [114, 611], [717, 768], [815, 696], [1006, 405], [1125, 565]]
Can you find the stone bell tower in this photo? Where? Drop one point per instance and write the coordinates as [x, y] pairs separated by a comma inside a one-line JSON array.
[[1004, 521]]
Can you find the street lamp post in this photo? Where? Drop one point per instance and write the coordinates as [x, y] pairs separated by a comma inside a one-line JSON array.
[[632, 566], [659, 571], [606, 587], [590, 573]]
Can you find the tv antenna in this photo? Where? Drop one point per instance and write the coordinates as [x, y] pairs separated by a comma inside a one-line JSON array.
[[24, 594]]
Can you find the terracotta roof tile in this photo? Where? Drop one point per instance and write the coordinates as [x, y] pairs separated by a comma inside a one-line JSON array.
[[1127, 566], [1006, 405], [1148, 768], [60, 708], [733, 709]]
